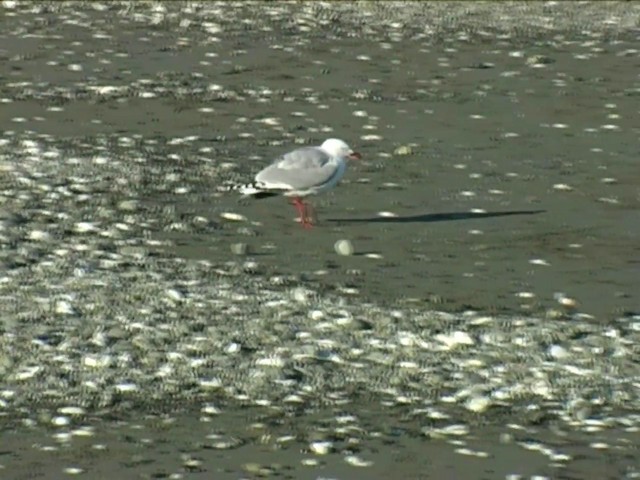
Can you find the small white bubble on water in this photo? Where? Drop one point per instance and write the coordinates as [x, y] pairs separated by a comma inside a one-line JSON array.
[[73, 470], [539, 261], [356, 461], [387, 214], [370, 137], [525, 295], [60, 421]]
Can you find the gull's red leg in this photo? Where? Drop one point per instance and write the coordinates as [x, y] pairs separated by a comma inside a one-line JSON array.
[[301, 208], [307, 221], [303, 211]]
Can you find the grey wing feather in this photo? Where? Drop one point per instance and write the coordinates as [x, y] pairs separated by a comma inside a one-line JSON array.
[[301, 158], [298, 170]]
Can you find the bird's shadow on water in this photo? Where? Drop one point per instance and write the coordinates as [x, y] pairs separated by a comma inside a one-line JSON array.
[[435, 217]]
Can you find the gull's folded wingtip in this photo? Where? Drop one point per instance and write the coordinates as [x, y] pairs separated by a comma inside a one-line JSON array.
[[249, 190]]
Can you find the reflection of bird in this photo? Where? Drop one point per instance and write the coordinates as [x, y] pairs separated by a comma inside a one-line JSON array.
[[302, 172]]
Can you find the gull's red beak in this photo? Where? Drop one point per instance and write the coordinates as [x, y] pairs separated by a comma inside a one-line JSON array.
[[354, 156]]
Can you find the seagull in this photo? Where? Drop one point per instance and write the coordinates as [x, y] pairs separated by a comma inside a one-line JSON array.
[[303, 172]]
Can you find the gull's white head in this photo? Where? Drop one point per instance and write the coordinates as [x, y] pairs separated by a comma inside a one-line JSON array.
[[337, 148]]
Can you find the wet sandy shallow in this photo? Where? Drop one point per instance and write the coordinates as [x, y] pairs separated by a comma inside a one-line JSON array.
[[546, 154], [253, 443], [521, 183]]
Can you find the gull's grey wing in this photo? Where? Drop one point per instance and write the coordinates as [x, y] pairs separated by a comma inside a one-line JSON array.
[[300, 169], [301, 158]]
